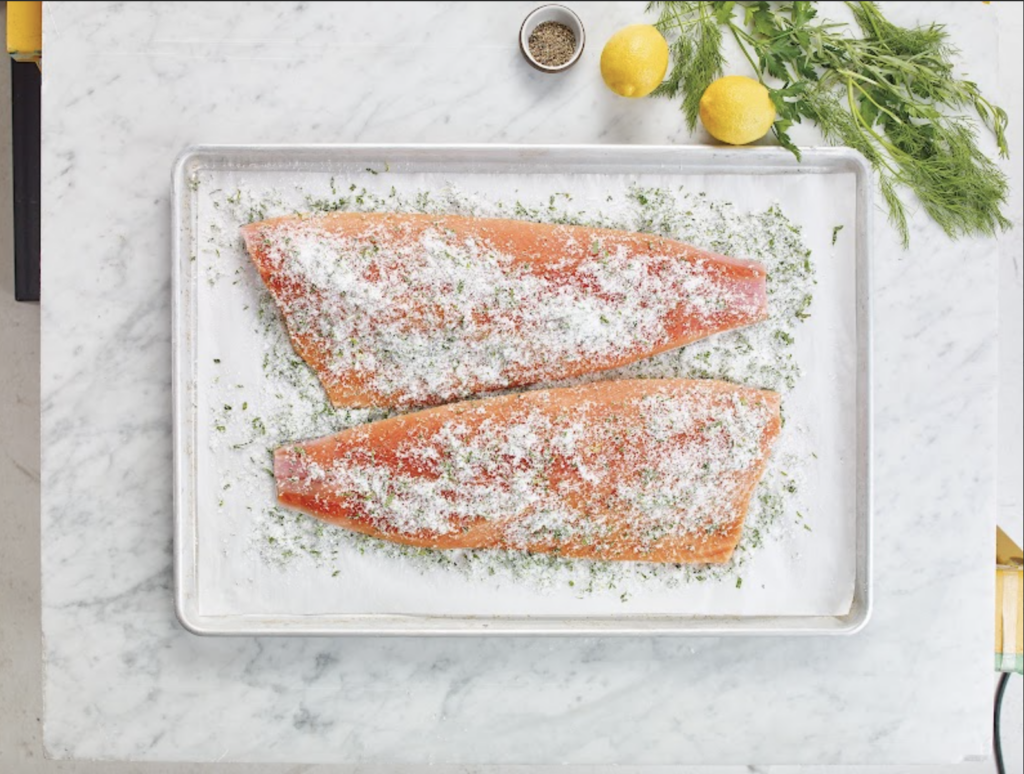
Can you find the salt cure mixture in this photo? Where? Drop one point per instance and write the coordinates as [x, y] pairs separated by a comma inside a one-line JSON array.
[[289, 404]]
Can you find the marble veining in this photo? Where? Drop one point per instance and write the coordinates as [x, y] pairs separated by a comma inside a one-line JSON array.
[[124, 680]]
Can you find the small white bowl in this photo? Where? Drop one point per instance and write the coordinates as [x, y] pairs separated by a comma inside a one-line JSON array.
[[551, 13]]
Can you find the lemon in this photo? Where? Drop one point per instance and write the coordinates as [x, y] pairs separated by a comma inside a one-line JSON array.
[[737, 110], [634, 60]]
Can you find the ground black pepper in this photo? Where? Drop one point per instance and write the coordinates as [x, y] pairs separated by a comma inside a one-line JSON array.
[[552, 44]]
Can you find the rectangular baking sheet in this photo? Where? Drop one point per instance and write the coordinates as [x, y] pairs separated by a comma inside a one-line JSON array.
[[219, 589]]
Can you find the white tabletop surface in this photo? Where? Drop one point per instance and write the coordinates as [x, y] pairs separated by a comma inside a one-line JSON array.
[[125, 88]]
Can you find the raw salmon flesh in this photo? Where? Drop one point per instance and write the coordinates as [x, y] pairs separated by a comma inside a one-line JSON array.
[[649, 470], [418, 310]]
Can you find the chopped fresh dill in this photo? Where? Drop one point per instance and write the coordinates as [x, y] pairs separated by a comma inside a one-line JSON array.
[[291, 404]]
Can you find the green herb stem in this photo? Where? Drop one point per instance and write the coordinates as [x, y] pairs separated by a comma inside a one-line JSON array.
[[889, 92]]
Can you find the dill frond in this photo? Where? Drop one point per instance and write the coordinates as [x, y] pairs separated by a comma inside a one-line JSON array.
[[887, 91]]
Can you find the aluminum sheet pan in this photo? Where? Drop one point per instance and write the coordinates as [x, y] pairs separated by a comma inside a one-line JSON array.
[[200, 603]]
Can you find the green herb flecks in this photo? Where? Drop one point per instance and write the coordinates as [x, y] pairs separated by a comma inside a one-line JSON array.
[[289, 402]]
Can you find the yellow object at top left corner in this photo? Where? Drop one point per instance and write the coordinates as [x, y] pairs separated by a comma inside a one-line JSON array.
[[25, 31]]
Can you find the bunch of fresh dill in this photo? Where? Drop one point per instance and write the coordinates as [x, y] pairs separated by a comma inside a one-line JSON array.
[[890, 92]]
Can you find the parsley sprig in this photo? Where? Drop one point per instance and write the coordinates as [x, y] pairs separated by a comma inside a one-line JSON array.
[[889, 92]]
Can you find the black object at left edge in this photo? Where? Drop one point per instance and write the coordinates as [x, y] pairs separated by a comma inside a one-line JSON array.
[[25, 100]]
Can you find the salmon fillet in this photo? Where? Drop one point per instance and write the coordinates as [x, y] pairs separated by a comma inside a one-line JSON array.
[[649, 470], [418, 310]]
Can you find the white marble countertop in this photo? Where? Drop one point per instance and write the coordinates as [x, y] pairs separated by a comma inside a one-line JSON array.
[[126, 86]]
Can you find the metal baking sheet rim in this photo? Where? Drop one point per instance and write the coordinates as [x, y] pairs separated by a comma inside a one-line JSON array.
[[700, 160]]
